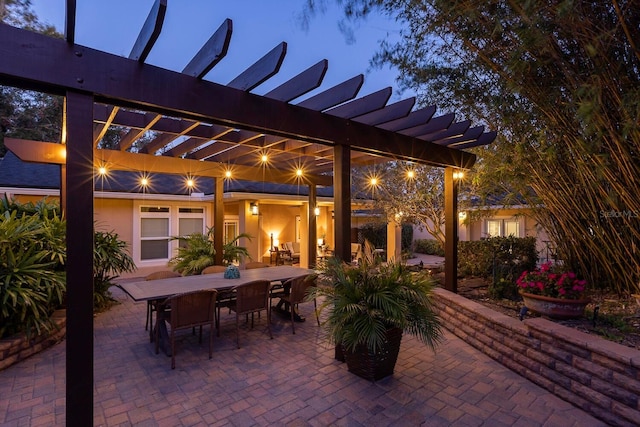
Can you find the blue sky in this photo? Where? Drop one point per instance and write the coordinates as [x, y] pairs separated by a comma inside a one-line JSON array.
[[258, 26]]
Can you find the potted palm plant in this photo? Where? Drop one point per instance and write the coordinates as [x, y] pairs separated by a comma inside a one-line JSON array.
[[196, 252], [369, 306]]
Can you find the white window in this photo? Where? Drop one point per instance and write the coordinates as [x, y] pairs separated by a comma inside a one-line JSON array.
[[156, 225], [503, 227], [190, 220], [155, 231]]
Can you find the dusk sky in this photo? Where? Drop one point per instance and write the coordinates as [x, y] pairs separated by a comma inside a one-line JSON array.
[[258, 26]]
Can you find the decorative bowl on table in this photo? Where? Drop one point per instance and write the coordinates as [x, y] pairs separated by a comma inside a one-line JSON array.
[[232, 272]]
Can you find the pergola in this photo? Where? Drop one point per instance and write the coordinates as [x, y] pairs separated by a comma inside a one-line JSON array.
[[203, 128]]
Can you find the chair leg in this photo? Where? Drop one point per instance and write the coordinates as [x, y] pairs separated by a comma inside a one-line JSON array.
[[238, 330], [157, 335], [293, 328], [211, 340], [146, 325], [315, 309], [173, 349], [269, 322]]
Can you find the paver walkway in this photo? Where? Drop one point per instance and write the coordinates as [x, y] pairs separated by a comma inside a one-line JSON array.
[[292, 380]]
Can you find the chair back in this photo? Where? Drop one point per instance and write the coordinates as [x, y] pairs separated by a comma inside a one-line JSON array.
[[252, 296], [299, 286], [193, 308], [214, 269], [255, 264], [163, 274]]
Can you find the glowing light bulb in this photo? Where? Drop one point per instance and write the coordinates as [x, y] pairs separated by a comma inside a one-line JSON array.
[[144, 182], [299, 172], [374, 181], [102, 170], [189, 183], [264, 158], [411, 174], [227, 174]]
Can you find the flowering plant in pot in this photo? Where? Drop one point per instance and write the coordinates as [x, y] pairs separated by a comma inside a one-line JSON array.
[[553, 292], [368, 308]]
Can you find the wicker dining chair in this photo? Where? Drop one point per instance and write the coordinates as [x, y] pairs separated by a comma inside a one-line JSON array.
[[297, 291], [251, 297], [224, 297], [188, 310], [152, 305]]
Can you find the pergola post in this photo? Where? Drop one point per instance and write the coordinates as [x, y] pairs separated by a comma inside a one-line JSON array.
[[451, 230], [79, 268], [218, 219], [342, 201]]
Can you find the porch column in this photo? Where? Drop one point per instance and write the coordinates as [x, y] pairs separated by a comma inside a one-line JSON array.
[[218, 219], [451, 231], [313, 225], [394, 241], [342, 201], [79, 212]]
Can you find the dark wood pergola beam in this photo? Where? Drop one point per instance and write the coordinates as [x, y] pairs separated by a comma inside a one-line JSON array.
[[54, 153], [51, 65]]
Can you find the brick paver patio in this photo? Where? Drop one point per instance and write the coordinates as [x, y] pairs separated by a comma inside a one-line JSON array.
[[292, 380]]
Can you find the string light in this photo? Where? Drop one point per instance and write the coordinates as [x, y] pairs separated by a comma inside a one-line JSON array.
[[227, 174], [411, 174], [190, 183], [102, 170], [299, 172]]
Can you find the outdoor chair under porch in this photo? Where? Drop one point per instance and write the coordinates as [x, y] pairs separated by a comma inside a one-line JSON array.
[[250, 298], [152, 305], [188, 310], [295, 291]]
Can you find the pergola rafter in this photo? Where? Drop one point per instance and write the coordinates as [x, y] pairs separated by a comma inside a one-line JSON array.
[[202, 127]]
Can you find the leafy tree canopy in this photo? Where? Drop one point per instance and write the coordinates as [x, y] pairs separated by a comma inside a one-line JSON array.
[[560, 82]]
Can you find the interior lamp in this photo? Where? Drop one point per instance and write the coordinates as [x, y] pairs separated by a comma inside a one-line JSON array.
[[316, 211]]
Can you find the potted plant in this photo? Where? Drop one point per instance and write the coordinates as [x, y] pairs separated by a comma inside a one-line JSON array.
[[552, 292], [369, 306], [196, 252]]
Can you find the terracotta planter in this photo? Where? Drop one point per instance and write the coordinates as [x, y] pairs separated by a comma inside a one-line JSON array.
[[556, 308], [375, 366]]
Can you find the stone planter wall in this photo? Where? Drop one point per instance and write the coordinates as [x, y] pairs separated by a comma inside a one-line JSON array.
[[596, 375], [15, 349]]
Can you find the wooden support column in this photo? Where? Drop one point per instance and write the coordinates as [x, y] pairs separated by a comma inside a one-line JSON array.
[[451, 230], [218, 219], [342, 201], [313, 226], [79, 185]]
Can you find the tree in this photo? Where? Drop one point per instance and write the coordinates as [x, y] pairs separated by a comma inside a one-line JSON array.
[[25, 114], [411, 193], [560, 81]]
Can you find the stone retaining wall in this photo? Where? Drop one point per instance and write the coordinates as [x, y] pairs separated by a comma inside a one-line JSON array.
[[15, 349], [596, 375]]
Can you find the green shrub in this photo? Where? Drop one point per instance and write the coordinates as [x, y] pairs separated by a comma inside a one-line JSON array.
[[110, 258], [33, 261], [374, 233], [502, 259], [428, 246], [32, 278]]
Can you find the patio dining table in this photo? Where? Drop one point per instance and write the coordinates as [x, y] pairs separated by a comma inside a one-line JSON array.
[[145, 290]]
